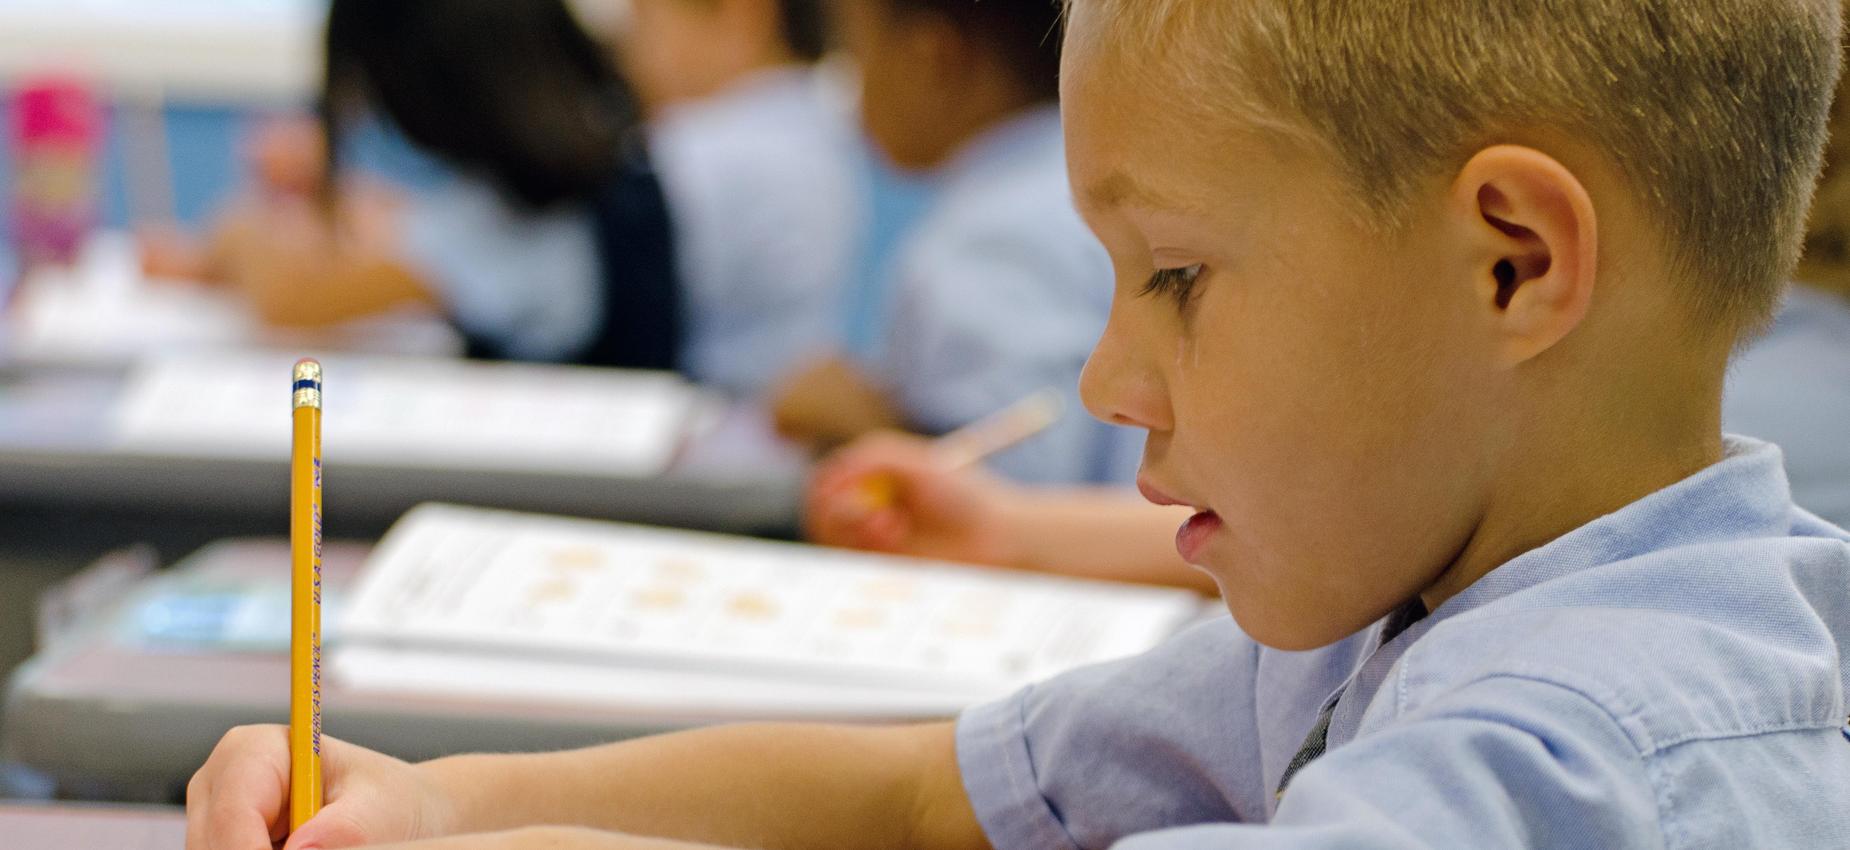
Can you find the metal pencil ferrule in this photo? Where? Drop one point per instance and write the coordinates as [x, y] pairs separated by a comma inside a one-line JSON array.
[[307, 384]]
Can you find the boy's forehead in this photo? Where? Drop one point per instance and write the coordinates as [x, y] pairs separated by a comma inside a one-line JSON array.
[[1129, 149]]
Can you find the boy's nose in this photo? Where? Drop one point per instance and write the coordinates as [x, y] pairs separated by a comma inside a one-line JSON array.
[[1120, 384]]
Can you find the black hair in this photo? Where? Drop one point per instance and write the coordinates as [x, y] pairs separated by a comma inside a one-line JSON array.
[[805, 28], [1025, 35], [514, 91]]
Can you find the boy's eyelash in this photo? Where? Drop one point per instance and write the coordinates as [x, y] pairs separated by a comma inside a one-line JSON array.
[[1177, 283]]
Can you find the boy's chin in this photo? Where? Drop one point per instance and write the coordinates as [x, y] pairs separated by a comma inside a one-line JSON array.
[[1281, 626]]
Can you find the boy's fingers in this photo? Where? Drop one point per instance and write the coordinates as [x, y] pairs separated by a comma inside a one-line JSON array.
[[333, 828], [228, 824], [196, 803], [234, 802]]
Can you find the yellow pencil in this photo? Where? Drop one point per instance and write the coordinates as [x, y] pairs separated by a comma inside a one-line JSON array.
[[305, 597]]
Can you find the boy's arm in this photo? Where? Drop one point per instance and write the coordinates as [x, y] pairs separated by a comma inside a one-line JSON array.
[[766, 786], [762, 786]]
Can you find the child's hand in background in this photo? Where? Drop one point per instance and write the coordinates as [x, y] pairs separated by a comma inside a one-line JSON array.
[[888, 492], [287, 159], [288, 155], [240, 798], [170, 252], [299, 267], [831, 401]]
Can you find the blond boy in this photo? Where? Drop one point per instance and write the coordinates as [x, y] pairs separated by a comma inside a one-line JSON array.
[[1425, 306]]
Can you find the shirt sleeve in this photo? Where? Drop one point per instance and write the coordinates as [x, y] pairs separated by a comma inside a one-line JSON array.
[[1504, 762], [1088, 757], [988, 313], [529, 281]]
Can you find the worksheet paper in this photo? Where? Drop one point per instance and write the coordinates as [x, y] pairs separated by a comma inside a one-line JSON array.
[[466, 601], [451, 414]]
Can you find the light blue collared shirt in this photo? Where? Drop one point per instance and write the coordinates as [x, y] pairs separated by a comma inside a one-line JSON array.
[[999, 291], [1671, 675], [765, 194], [1792, 387], [528, 280]]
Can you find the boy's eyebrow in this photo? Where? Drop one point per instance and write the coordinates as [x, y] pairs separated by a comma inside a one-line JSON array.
[[1119, 189]]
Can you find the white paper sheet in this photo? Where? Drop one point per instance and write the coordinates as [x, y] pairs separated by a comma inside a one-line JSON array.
[[496, 589]]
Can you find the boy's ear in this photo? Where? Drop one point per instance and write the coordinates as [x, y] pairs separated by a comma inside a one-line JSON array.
[[1535, 246]]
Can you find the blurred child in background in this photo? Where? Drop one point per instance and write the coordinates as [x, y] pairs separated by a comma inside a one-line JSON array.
[[999, 290], [757, 148], [531, 248], [543, 141]]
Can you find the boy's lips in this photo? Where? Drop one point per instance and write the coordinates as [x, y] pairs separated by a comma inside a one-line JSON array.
[[1157, 496], [1194, 534]]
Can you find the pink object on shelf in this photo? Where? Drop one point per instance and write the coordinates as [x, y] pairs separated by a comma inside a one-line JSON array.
[[56, 128], [56, 109]]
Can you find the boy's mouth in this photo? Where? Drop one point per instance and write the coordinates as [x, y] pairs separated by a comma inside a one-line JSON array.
[[1194, 534], [1158, 497]]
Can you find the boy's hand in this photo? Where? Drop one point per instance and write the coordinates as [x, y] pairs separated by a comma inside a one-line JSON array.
[[240, 799], [889, 492], [830, 401]]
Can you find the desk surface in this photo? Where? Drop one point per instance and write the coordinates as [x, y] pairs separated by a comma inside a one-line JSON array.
[[56, 450], [63, 827]]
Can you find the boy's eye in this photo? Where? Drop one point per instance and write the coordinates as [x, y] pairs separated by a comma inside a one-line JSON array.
[[1177, 283]]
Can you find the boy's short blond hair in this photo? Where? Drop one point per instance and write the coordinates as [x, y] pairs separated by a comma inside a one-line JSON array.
[[1713, 109]]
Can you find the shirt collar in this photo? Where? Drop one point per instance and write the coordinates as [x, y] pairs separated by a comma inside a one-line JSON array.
[[1743, 495]]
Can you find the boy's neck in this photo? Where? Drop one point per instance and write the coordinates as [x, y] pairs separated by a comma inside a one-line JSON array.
[[1565, 471]]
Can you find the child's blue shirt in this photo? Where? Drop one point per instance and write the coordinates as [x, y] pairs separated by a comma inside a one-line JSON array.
[[1000, 291], [767, 198], [1671, 675]]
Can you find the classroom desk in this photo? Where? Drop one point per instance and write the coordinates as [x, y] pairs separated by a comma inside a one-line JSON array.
[[67, 827], [97, 711], [56, 453]]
